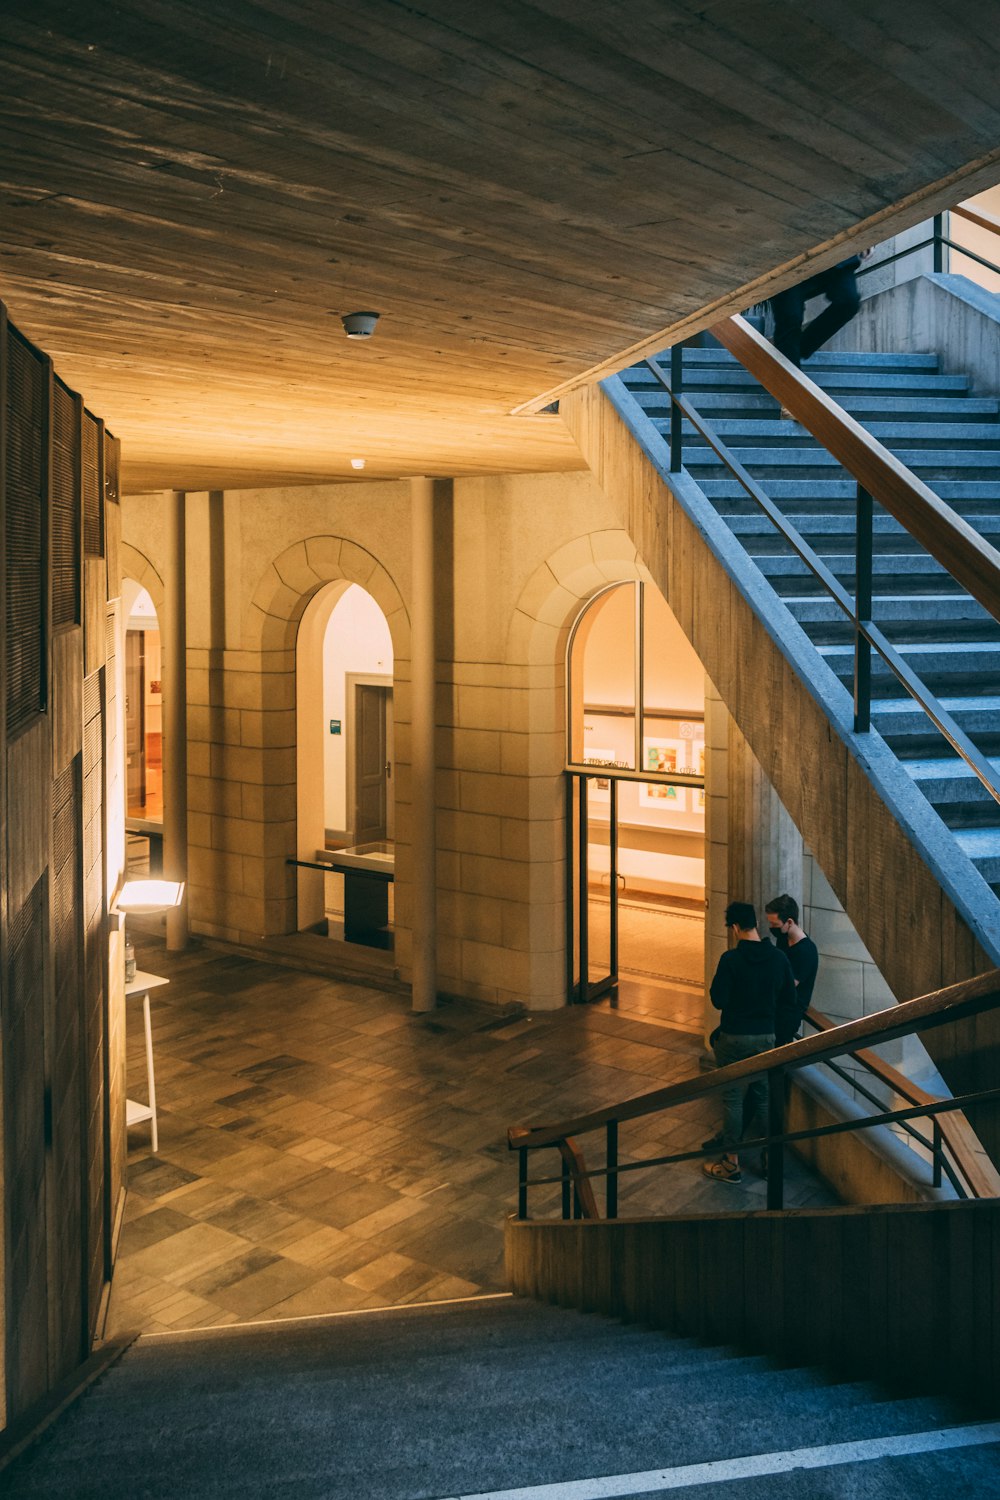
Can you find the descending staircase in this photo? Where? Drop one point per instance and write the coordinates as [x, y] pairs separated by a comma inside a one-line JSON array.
[[951, 440], [482, 1397]]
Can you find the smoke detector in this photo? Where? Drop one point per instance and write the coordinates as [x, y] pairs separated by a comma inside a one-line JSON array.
[[360, 325]]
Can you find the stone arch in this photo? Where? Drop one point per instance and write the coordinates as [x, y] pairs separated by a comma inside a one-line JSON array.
[[555, 594], [291, 579], [137, 566]]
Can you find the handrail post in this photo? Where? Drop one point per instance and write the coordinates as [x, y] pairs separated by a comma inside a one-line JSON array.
[[775, 1127], [567, 1192], [522, 1184], [938, 244], [611, 1162], [936, 1149], [676, 418], [863, 612]]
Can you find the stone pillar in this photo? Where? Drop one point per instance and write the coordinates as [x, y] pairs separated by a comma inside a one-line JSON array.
[[424, 924], [175, 718]]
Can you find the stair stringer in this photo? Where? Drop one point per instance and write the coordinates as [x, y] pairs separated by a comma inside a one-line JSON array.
[[921, 908]]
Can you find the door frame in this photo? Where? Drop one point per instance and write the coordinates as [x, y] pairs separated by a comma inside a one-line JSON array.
[[583, 990], [353, 680]]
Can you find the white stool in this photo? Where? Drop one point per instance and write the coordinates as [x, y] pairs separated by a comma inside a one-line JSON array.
[[135, 1113]]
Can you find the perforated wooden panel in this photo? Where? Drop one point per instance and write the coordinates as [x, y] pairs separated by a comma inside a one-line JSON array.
[[64, 488], [68, 1321], [112, 466], [24, 1153], [94, 1002], [24, 525], [93, 499]]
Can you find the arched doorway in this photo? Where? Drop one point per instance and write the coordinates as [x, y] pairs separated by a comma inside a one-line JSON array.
[[143, 731], [345, 768], [636, 834]]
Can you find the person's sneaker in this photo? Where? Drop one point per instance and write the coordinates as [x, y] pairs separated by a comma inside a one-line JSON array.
[[722, 1170], [713, 1143]]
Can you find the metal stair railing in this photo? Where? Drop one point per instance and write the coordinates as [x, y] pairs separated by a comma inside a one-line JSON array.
[[958, 1002], [949, 539]]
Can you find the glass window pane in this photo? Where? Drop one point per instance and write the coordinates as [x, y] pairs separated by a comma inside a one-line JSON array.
[[602, 681]]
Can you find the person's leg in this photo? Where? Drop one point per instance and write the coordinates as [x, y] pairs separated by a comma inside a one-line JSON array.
[[755, 1111], [788, 308], [840, 287]]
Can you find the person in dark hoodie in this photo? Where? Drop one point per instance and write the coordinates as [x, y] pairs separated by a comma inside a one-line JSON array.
[[752, 982]]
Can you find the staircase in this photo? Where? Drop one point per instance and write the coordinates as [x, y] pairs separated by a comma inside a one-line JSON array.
[[951, 440], [494, 1397]]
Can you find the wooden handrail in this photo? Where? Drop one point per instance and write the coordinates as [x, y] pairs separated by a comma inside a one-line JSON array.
[[978, 217], [940, 1008], [579, 1176], [967, 556], [978, 1172]]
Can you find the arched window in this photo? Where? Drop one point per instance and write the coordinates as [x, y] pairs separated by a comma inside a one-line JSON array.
[[636, 696]]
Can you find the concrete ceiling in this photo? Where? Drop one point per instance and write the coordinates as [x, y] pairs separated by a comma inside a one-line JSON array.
[[191, 195]]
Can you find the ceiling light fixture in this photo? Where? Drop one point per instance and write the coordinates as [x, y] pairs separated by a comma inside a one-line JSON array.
[[357, 463], [360, 325]]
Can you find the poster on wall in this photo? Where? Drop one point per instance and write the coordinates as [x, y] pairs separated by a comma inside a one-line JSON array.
[[661, 757], [599, 787]]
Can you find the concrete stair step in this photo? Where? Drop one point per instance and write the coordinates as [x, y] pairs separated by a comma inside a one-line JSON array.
[[767, 431], [859, 379], [901, 411], [949, 778], [328, 1412], [929, 659], [842, 488], [982, 846], [814, 462], [823, 359]]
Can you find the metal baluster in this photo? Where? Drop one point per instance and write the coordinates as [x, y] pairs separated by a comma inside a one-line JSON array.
[[863, 613], [611, 1162], [676, 387], [938, 244], [522, 1184], [776, 1126], [937, 1146], [567, 1194]]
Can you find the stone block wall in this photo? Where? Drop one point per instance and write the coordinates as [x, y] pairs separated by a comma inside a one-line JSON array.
[[517, 559]]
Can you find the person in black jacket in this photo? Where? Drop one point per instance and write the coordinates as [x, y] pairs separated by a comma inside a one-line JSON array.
[[752, 981], [782, 915], [840, 288]]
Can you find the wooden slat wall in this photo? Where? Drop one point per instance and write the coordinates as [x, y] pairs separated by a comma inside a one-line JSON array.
[[56, 1147], [905, 1293], [909, 926]]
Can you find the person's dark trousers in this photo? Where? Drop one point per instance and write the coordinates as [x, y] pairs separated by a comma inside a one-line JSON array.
[[744, 1105], [839, 286]]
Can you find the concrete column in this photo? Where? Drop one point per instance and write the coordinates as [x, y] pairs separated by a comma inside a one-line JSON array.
[[175, 718], [423, 755]]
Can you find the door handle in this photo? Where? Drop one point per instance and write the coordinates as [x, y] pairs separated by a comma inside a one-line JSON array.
[[388, 770]]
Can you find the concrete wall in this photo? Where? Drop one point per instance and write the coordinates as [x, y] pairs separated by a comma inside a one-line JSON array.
[[946, 315]]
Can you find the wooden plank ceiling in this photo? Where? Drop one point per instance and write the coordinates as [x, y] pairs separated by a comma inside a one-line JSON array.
[[191, 195]]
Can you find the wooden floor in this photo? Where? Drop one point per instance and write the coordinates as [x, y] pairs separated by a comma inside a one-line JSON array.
[[322, 1148]]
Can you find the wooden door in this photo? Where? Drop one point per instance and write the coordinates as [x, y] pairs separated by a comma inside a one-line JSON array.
[[370, 763], [135, 727]]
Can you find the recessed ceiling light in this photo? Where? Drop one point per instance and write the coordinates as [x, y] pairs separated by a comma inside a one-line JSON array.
[[357, 463]]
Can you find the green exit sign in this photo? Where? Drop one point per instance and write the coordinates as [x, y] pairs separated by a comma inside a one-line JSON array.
[[334, 726]]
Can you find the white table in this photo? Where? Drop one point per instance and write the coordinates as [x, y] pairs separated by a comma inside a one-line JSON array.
[[136, 1113]]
